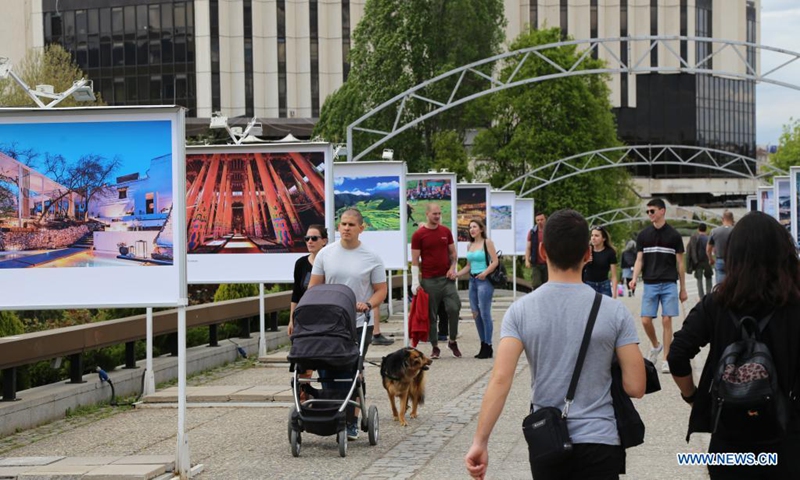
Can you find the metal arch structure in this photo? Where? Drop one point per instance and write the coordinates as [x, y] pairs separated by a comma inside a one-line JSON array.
[[652, 155], [433, 104], [635, 214]]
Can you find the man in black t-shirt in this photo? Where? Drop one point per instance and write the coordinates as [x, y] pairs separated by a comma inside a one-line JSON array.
[[659, 259]]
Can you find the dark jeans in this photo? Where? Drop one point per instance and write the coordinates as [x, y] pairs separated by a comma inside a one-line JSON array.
[[603, 288], [538, 275], [788, 460], [589, 461], [443, 320]]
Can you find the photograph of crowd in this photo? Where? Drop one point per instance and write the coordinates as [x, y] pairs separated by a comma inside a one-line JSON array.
[[471, 203], [68, 199], [419, 193], [249, 202]]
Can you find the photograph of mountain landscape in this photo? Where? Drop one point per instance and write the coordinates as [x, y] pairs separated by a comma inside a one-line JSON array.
[[377, 198], [501, 217]]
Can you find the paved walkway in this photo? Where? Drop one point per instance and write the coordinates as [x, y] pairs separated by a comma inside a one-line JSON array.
[[234, 442]]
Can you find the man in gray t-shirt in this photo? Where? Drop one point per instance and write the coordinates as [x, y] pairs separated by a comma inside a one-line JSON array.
[[718, 245], [548, 325]]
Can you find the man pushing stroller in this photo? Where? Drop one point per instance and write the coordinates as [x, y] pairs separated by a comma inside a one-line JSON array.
[[348, 262]]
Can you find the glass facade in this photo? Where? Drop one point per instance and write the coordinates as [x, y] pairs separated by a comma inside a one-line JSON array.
[[216, 100], [136, 54], [249, 102], [623, 51], [314, 56], [654, 31], [684, 15], [281, 58], [593, 24], [703, 29], [345, 39], [534, 14], [564, 14]]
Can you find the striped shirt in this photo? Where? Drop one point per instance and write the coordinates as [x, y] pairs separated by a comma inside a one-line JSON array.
[[659, 247]]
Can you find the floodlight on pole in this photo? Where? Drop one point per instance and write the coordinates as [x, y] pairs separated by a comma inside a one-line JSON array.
[[254, 127], [81, 90]]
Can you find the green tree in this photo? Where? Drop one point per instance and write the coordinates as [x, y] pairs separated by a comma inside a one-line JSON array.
[[402, 43], [540, 123], [231, 291], [10, 324], [51, 65], [788, 154]]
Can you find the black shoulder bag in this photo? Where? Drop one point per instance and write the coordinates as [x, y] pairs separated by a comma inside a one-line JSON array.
[[498, 277], [546, 429]]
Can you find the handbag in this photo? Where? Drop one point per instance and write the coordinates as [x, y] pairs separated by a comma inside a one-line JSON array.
[[498, 277], [546, 429]]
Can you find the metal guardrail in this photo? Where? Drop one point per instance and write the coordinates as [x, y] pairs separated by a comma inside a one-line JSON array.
[[72, 342]]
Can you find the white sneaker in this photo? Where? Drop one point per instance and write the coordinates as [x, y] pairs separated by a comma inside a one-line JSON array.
[[654, 352], [665, 367]]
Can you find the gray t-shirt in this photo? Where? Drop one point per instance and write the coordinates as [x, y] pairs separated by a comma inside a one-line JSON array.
[[358, 268], [550, 323], [719, 240]]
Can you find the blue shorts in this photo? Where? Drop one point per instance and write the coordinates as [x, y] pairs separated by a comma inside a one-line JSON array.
[[664, 293]]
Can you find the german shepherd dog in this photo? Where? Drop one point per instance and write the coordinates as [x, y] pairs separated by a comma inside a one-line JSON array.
[[403, 374]]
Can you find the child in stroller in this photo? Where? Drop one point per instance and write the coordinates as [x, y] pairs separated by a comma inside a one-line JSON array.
[[325, 339]]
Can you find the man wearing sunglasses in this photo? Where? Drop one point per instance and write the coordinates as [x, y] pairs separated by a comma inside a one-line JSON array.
[[659, 258]]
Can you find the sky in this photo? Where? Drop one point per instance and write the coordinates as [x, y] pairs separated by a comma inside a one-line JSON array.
[[136, 143], [365, 185], [776, 105]]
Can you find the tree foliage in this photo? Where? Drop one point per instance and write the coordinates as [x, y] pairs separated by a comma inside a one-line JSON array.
[[788, 154], [51, 65], [232, 291], [399, 44], [540, 123]]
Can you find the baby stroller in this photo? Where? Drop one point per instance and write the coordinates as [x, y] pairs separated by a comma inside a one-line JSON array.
[[324, 338]]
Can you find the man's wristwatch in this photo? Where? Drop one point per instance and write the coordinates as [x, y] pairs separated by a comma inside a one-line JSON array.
[[369, 305]]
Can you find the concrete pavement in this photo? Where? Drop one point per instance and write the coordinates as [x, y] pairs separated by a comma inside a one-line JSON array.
[[232, 441]]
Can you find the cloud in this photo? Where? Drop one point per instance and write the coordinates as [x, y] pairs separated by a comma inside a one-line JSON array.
[[351, 192], [393, 185], [338, 181]]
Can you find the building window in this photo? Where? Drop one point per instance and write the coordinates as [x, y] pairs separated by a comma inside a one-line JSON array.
[[684, 29], [313, 19], [249, 103], [123, 193], [137, 53], [703, 28], [216, 100], [281, 58], [564, 13], [593, 24], [345, 39], [654, 31], [751, 35], [534, 14], [623, 32]]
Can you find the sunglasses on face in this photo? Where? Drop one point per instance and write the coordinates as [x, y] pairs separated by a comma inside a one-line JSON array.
[[598, 227], [311, 238], [651, 212]]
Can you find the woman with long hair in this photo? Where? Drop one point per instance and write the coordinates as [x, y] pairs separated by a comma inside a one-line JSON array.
[[604, 260], [763, 282], [481, 261]]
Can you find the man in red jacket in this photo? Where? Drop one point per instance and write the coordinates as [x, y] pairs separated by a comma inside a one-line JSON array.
[[433, 255]]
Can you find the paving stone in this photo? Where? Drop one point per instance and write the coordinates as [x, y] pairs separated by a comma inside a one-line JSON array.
[[27, 461], [12, 472], [167, 460], [259, 393], [88, 460], [56, 472], [126, 472]]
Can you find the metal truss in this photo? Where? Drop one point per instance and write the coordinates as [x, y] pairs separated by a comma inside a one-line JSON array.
[[637, 214], [653, 155], [450, 89]]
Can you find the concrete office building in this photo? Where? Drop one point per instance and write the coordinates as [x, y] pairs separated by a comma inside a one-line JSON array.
[[279, 59]]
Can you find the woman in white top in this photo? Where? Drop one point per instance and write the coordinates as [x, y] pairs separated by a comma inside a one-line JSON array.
[[481, 261]]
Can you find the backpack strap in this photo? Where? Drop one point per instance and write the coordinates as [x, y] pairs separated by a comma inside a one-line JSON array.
[[587, 335], [757, 326]]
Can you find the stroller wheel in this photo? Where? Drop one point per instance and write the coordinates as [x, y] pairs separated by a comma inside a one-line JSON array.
[[294, 443], [291, 414], [373, 425], [341, 437]]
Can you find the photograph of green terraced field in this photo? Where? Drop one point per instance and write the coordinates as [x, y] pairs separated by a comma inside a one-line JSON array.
[[377, 198], [419, 193]]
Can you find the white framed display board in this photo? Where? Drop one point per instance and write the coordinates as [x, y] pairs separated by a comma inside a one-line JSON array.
[[752, 203], [425, 188], [502, 217], [766, 200], [248, 208], [98, 232], [472, 201], [378, 190], [783, 196], [523, 223], [794, 184]]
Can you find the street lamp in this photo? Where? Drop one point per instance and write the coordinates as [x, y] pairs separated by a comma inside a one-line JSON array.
[[81, 90], [218, 121]]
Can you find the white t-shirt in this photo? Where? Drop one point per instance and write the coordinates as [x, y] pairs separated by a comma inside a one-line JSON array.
[[358, 268]]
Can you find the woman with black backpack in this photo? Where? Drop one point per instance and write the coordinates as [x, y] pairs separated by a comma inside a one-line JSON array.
[[747, 397]]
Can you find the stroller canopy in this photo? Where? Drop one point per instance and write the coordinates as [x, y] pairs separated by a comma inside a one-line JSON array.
[[325, 328]]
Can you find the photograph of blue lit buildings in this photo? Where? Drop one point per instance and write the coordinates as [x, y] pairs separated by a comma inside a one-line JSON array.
[[85, 194]]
